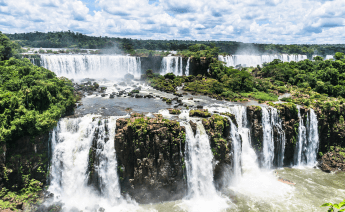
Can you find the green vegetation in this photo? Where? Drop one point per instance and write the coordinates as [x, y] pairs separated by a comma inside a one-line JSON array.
[[200, 113], [175, 111], [135, 46], [8, 48], [141, 128], [32, 99], [335, 206]]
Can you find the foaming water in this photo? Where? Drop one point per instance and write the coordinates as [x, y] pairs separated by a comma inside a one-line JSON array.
[[202, 194], [72, 141]]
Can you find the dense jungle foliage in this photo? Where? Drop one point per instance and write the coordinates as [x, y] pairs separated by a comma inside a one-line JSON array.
[[78, 40], [32, 98], [325, 77]]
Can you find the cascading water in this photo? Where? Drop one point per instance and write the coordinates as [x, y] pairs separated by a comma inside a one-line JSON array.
[[72, 141], [172, 64], [255, 185], [187, 67], [329, 57], [313, 138], [92, 66], [301, 140], [271, 122], [268, 142], [236, 152], [254, 60], [202, 194], [307, 140]]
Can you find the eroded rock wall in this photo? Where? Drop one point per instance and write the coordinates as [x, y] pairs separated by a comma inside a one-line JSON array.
[[150, 155]]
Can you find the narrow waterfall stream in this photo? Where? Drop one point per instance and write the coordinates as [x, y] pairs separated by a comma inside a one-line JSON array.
[[71, 184], [308, 140], [187, 67], [313, 138], [271, 123]]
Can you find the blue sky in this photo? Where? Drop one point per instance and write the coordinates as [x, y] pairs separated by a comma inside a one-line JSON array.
[[253, 21]]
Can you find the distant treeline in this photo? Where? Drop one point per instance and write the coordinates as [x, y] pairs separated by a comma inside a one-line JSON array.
[[78, 40]]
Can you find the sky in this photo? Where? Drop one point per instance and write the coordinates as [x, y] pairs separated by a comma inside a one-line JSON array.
[[250, 21]]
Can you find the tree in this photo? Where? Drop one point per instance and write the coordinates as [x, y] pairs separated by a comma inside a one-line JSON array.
[[7, 47], [339, 56]]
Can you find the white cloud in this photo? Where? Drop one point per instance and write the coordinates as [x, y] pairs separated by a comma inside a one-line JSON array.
[[268, 21]]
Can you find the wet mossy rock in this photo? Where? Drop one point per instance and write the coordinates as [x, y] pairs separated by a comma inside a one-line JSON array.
[[23, 170], [200, 113], [333, 161], [150, 155], [232, 117], [174, 111]]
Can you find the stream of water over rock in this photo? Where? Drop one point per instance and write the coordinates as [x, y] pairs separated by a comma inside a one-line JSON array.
[[250, 187]]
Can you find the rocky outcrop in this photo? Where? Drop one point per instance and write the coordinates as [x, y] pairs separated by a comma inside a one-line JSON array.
[[23, 167], [150, 156], [333, 161], [255, 121], [199, 66], [289, 117], [331, 127], [218, 129]]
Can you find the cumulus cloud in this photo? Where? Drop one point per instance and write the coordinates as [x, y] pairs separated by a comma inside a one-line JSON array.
[[259, 21]]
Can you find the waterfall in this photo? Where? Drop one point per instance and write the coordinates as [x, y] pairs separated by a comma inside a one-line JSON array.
[[236, 152], [313, 138], [199, 163], [92, 66], [301, 140], [329, 57], [307, 140], [255, 184], [268, 142], [254, 60], [270, 123], [228, 59], [187, 67], [71, 143], [172, 64], [202, 193]]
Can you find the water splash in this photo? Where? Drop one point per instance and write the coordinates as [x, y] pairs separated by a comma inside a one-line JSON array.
[[202, 195], [71, 142]]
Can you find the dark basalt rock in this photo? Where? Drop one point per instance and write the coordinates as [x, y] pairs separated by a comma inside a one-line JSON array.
[[150, 155], [333, 161]]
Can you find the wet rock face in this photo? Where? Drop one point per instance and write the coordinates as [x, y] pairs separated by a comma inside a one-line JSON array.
[[150, 156], [333, 161], [290, 121], [24, 156], [255, 120], [331, 127]]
